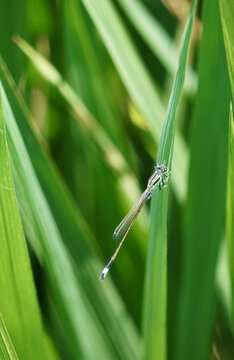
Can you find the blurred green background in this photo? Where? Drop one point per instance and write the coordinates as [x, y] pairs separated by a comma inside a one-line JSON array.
[[85, 89]]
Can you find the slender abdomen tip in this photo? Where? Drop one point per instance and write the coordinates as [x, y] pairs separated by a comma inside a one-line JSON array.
[[104, 272]]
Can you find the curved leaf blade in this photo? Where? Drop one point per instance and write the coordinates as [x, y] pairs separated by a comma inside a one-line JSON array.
[[227, 16], [7, 351], [158, 40], [230, 213], [155, 305], [205, 208], [18, 302]]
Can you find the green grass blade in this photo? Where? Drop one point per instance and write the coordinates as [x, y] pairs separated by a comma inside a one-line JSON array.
[[205, 209], [72, 226], [86, 337], [156, 271], [230, 212], [158, 40], [227, 16], [121, 333], [137, 80], [18, 303], [79, 240], [7, 351]]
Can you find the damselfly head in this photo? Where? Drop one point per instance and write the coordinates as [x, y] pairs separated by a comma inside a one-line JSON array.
[[163, 168]]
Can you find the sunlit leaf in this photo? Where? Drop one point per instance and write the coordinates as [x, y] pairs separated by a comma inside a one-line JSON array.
[[205, 208], [7, 351], [156, 272], [18, 302]]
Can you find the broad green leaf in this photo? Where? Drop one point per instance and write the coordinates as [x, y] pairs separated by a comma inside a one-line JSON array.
[[156, 271], [77, 259], [227, 16], [7, 351], [157, 39], [18, 302], [205, 208], [136, 80], [230, 212]]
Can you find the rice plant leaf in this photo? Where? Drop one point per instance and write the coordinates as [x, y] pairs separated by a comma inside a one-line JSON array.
[[227, 16], [156, 271], [120, 334], [137, 81], [230, 212], [18, 302], [205, 208], [7, 351], [158, 40]]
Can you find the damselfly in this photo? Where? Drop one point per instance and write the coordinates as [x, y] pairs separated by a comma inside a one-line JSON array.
[[159, 179]]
